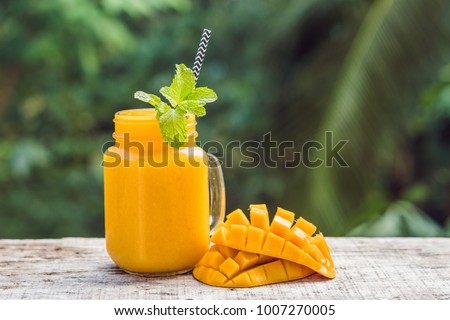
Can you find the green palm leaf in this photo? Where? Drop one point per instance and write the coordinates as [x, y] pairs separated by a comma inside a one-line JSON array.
[[396, 52]]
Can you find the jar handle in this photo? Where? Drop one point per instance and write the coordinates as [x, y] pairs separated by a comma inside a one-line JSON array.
[[216, 192]]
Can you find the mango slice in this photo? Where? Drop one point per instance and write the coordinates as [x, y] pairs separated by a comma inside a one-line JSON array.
[[246, 269], [268, 243], [257, 252]]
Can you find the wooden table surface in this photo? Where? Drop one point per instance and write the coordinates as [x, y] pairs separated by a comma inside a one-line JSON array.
[[367, 268]]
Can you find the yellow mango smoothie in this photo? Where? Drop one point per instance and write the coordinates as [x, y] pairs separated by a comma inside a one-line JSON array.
[[157, 216]]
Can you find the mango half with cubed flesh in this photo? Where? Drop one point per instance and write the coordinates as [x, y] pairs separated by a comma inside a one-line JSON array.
[[257, 252]]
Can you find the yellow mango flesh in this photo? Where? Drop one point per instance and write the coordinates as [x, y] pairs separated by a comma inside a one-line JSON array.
[[272, 242], [246, 269], [259, 216], [256, 252], [237, 217]]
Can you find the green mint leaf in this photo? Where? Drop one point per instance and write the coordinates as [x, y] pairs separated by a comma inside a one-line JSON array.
[[183, 82], [171, 95], [173, 128], [160, 106], [184, 98], [203, 95], [141, 95], [193, 106]]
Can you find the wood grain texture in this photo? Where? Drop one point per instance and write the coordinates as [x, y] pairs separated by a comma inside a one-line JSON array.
[[367, 268]]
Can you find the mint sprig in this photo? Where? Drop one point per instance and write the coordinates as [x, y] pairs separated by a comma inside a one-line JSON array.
[[183, 98]]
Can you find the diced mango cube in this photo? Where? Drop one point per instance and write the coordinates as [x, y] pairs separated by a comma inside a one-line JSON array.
[[259, 216], [320, 242], [257, 275], [229, 268], [214, 260], [246, 259], [298, 237], [237, 217], [280, 226], [204, 259], [306, 226], [291, 252], [285, 214], [242, 280], [220, 236], [273, 245], [275, 271], [306, 260], [218, 279], [314, 252], [202, 273], [226, 251], [296, 271], [255, 239], [237, 236]]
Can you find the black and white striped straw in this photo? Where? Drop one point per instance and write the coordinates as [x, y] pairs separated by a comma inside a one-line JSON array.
[[200, 56]]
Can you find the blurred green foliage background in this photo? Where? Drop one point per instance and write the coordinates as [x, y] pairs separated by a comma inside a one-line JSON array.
[[375, 72]]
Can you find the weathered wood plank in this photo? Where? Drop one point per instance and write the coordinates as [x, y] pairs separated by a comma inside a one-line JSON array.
[[367, 268]]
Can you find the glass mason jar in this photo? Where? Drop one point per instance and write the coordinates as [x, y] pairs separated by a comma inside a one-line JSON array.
[[161, 203]]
